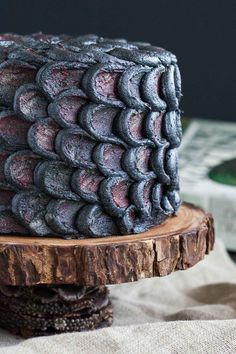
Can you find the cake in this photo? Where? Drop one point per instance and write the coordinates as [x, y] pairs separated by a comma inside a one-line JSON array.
[[89, 131]]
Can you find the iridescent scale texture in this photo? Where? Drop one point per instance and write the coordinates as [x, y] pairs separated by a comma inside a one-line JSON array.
[[89, 131]]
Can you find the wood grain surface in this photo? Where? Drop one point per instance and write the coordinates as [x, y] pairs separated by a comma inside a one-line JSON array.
[[179, 243]]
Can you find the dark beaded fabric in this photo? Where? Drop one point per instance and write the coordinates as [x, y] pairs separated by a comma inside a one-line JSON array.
[[43, 310], [89, 131]]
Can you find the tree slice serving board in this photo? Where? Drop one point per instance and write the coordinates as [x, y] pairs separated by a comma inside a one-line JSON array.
[[179, 243]]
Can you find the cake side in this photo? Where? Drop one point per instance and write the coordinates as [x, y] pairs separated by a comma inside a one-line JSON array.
[[89, 131]]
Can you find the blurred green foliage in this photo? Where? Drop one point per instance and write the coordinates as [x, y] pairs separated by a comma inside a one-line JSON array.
[[224, 173], [185, 123]]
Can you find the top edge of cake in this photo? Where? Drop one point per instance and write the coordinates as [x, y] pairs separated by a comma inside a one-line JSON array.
[[40, 48]]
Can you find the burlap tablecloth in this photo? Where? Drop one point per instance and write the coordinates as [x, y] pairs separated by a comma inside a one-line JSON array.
[[187, 312]]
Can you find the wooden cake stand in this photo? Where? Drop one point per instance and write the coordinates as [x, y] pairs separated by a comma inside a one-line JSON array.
[[34, 272]]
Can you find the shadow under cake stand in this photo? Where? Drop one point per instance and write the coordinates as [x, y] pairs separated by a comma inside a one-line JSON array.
[[51, 285]]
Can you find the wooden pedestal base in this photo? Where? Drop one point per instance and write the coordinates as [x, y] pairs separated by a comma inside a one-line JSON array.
[[28, 263], [43, 309]]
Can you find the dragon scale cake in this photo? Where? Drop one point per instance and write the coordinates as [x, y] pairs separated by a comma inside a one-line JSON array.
[[89, 131]]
